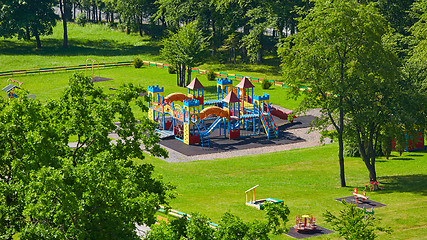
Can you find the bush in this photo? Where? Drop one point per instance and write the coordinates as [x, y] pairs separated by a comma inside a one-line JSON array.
[[172, 69], [210, 75], [81, 19], [351, 149], [265, 84], [137, 62]]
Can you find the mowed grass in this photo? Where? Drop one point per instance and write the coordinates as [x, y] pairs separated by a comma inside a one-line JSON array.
[[307, 180], [50, 85], [105, 45]]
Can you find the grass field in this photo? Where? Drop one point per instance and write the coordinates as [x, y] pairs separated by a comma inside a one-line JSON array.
[[105, 45], [50, 85], [308, 181]]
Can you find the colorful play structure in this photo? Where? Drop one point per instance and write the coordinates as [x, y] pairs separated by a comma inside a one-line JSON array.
[[305, 223], [251, 200], [235, 111], [10, 89], [414, 141]]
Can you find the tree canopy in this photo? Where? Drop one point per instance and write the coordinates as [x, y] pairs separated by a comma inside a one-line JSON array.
[[26, 19], [94, 190], [185, 50], [340, 55]]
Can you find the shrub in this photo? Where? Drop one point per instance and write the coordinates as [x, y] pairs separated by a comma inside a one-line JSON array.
[[351, 149], [172, 69], [81, 19], [265, 84], [210, 75], [137, 62], [353, 223]]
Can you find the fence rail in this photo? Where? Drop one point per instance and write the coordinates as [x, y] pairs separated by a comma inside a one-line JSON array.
[[65, 68], [125, 63]]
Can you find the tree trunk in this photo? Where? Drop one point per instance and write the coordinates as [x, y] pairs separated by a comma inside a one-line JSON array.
[[341, 146], [140, 26], [27, 33], [178, 74], [188, 75], [38, 43], [63, 9], [367, 152], [341, 159], [183, 75]]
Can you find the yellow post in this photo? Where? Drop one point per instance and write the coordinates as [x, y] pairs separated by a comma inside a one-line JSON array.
[[187, 133], [253, 200]]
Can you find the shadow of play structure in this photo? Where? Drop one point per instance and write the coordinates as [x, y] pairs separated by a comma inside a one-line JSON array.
[[235, 111]]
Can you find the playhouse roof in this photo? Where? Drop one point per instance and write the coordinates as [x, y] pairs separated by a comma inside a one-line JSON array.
[[231, 98], [9, 87], [195, 84], [245, 83]]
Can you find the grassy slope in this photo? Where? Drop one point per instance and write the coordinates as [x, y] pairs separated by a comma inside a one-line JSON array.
[[307, 179]]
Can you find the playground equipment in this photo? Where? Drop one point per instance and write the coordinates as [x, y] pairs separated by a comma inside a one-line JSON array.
[[366, 212], [305, 223], [251, 200], [179, 214], [10, 89], [359, 198], [235, 111], [413, 141], [92, 64], [95, 78]]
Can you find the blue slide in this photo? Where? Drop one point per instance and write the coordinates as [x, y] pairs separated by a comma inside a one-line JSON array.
[[211, 127]]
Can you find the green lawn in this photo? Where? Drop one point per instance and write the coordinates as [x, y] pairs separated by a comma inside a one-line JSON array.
[[105, 45], [307, 180], [50, 85]]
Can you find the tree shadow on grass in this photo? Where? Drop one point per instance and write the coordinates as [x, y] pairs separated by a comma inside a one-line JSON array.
[[416, 183], [99, 47]]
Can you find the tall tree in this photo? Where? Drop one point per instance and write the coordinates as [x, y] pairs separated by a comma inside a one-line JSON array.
[[417, 63], [335, 62], [35, 17], [91, 191], [185, 50]]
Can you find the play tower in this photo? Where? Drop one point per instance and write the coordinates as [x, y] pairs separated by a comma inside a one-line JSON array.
[[234, 112]]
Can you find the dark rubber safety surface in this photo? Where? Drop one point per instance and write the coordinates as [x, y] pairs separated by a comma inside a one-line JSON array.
[[221, 144], [300, 235], [368, 204]]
